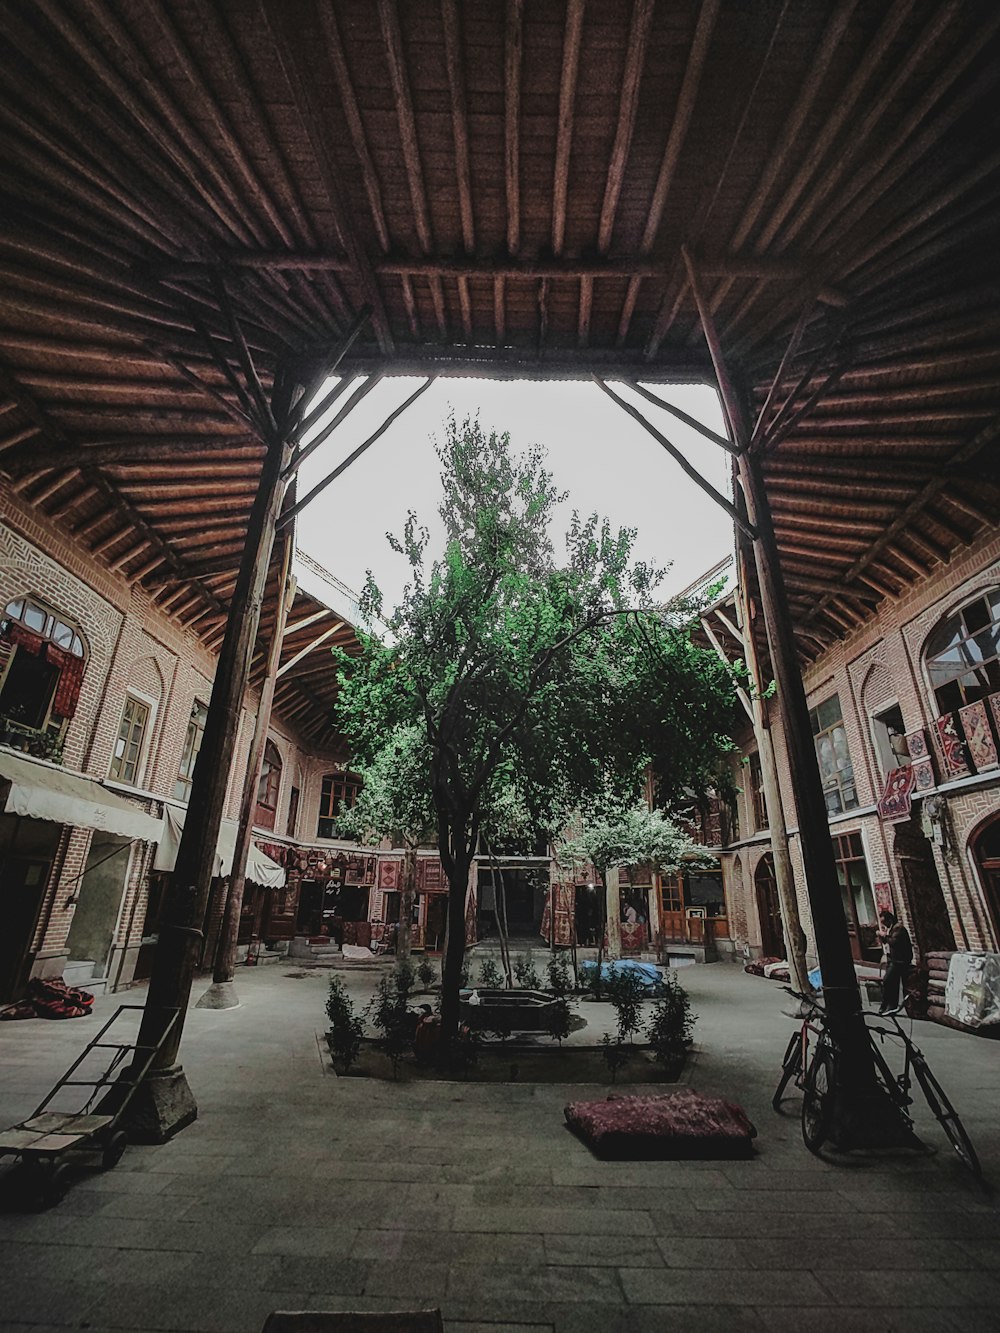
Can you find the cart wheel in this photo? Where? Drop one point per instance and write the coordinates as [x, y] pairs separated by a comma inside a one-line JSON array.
[[56, 1185], [113, 1150]]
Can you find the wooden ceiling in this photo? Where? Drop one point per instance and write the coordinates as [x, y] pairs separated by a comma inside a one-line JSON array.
[[507, 187]]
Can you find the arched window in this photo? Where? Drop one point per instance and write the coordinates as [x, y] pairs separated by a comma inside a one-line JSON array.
[[963, 653], [42, 660], [268, 787]]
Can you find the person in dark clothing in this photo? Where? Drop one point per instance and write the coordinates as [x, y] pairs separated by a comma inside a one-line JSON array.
[[899, 959]]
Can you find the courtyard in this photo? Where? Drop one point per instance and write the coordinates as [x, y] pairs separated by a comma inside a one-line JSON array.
[[296, 1189]]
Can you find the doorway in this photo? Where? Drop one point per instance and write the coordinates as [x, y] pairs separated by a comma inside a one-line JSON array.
[[922, 889], [772, 935], [27, 849], [99, 895], [986, 850]]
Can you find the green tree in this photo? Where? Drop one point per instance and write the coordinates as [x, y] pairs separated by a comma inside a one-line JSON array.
[[614, 837], [395, 803], [555, 678]]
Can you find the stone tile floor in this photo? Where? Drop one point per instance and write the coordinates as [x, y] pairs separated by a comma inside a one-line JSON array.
[[298, 1189]]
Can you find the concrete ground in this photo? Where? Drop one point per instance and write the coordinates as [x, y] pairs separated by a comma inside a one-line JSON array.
[[296, 1189]]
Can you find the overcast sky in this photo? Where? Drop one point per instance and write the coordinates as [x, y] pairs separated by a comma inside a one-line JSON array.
[[595, 451]]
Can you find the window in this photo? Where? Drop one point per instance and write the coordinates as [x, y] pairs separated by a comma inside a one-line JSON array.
[[192, 744], [759, 803], [293, 812], [963, 653], [268, 787], [128, 747], [41, 669], [835, 768], [856, 891], [888, 731], [340, 791]]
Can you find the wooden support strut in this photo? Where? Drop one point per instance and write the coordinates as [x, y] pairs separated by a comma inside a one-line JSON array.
[[165, 1103], [225, 963], [856, 1103]]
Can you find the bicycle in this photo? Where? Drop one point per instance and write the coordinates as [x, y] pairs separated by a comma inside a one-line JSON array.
[[816, 1075]]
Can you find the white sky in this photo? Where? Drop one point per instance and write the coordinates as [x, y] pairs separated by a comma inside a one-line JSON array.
[[595, 451]]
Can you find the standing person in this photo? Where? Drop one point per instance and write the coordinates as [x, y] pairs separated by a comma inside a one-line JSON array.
[[899, 958]]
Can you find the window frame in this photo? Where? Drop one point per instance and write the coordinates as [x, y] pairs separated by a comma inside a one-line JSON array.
[[837, 786], [758, 801], [987, 594], [181, 780], [145, 738], [333, 788], [50, 723], [265, 813]]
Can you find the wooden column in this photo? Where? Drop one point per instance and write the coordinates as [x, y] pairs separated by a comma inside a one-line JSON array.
[[222, 993], [613, 910], [861, 1114], [165, 1103]]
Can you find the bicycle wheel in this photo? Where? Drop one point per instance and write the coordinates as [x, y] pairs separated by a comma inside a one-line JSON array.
[[790, 1066], [947, 1116], [817, 1098]]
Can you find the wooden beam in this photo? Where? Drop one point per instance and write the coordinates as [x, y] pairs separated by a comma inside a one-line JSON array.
[[356, 454], [513, 43], [313, 644], [678, 457], [322, 435], [707, 13], [454, 60], [572, 37], [294, 626], [693, 422]]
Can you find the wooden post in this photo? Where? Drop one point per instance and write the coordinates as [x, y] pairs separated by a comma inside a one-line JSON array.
[[613, 913], [165, 1103], [783, 875], [861, 1114], [222, 993]]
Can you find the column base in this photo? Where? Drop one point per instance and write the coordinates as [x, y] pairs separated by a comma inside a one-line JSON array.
[[220, 995], [162, 1106]]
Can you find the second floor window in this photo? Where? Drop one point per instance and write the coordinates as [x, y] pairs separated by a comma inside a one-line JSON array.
[[128, 746], [758, 801], [339, 792], [293, 812], [963, 653], [835, 768], [268, 787], [192, 745], [42, 662]]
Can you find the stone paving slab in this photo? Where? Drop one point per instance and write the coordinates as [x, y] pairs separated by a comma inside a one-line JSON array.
[[297, 1189]]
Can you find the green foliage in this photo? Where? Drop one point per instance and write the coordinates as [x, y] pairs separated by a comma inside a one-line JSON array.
[[525, 684], [346, 1028], [490, 976], [626, 993], [395, 799], [616, 834], [392, 1019], [671, 1024], [405, 977], [427, 972], [616, 1054], [558, 1019], [557, 968], [526, 973]]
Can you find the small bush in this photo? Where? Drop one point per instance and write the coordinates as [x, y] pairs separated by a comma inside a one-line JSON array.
[[490, 976], [393, 1020], [524, 970], [558, 971], [346, 1027], [615, 1053], [671, 1024], [405, 977], [427, 972], [558, 1020], [626, 993]]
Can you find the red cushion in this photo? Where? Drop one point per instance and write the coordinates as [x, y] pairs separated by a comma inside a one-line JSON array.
[[682, 1123]]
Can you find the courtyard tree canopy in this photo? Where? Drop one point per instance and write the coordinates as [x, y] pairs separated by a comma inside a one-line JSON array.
[[557, 678]]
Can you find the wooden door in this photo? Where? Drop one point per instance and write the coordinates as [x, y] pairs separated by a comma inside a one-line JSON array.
[[23, 880], [772, 935]]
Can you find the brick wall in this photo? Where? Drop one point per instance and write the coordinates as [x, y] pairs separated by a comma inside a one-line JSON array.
[[876, 666]]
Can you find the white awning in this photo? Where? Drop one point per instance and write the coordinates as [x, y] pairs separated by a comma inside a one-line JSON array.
[[44, 791], [260, 868]]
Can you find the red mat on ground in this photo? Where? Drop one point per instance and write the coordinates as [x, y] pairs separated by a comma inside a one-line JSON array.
[[679, 1124]]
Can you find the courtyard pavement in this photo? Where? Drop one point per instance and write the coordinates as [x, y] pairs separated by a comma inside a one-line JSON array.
[[296, 1189]]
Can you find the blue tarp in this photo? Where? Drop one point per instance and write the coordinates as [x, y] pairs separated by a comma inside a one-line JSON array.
[[650, 975]]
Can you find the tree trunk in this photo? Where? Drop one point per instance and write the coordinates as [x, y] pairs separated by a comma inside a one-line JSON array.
[[601, 930], [406, 895], [613, 914], [451, 972], [500, 911]]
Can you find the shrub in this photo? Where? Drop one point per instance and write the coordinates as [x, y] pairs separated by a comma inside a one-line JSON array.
[[626, 993], [524, 970], [615, 1053], [346, 1027], [490, 976], [671, 1024], [393, 1020], [465, 977], [558, 1020], [427, 972], [405, 977], [558, 970]]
